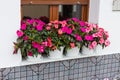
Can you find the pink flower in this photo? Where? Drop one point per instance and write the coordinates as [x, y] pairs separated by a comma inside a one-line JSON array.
[[83, 29], [35, 44], [23, 26], [107, 42], [106, 33], [40, 49], [94, 44], [30, 53], [64, 29], [55, 22], [56, 26], [60, 32], [49, 24], [100, 34], [82, 23], [64, 23], [95, 35], [75, 19], [88, 37], [87, 29], [79, 38], [19, 33], [72, 45], [48, 28], [69, 31], [101, 41], [39, 27], [45, 43], [49, 42], [90, 47], [25, 38], [101, 30], [30, 21]]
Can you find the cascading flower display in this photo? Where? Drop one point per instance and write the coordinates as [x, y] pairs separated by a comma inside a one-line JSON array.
[[36, 37]]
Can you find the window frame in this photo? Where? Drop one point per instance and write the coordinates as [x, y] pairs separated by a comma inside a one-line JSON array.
[[54, 6]]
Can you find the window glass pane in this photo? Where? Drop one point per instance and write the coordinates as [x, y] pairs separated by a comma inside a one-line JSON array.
[[35, 11], [69, 11]]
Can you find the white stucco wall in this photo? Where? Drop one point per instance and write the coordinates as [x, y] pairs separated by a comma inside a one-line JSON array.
[[9, 23], [100, 12], [110, 20]]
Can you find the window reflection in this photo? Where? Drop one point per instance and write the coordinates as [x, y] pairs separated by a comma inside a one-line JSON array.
[[36, 11], [69, 11]]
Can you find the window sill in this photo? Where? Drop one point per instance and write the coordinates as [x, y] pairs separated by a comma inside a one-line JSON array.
[[46, 60]]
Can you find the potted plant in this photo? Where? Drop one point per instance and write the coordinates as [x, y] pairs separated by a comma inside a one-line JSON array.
[[94, 37], [55, 39], [73, 37], [30, 41]]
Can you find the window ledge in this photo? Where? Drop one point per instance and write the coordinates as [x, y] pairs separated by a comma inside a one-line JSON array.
[[46, 60]]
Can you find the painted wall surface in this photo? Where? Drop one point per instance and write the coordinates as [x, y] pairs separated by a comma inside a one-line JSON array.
[[101, 13], [10, 22], [94, 11], [110, 20]]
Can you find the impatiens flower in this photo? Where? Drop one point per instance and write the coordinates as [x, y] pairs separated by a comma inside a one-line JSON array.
[[101, 30], [90, 47], [60, 32], [19, 33], [30, 21], [49, 24], [64, 23], [56, 26], [40, 49], [64, 29], [95, 35], [87, 29], [72, 45], [25, 38], [100, 34], [75, 19], [35, 44], [88, 37], [101, 41], [82, 23], [30, 53], [39, 27], [55, 22], [82, 29], [69, 31], [23, 26], [49, 42], [48, 28], [78, 38], [45, 43], [107, 42], [106, 34], [94, 44]]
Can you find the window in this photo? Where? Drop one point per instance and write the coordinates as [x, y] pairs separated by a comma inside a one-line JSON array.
[[55, 9]]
